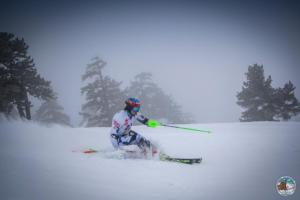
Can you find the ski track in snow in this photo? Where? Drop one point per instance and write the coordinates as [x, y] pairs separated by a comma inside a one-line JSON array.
[[240, 161]]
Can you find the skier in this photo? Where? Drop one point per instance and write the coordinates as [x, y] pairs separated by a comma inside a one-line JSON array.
[[121, 133]]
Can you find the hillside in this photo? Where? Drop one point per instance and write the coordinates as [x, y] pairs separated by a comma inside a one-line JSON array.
[[240, 161]]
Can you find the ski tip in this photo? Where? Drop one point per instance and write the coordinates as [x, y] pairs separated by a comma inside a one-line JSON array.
[[90, 151]]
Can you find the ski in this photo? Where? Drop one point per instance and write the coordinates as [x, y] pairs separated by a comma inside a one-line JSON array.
[[164, 157], [135, 155], [86, 151]]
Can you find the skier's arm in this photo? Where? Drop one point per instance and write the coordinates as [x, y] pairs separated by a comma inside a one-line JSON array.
[[149, 122], [119, 127], [142, 119], [115, 127]]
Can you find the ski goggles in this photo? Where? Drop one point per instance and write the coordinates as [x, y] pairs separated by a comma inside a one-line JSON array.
[[136, 109]]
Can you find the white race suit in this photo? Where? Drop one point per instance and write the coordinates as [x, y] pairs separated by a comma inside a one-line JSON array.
[[121, 133]]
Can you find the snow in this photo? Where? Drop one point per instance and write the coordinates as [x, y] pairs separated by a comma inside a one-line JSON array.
[[241, 161], [262, 106], [2, 66], [289, 102]]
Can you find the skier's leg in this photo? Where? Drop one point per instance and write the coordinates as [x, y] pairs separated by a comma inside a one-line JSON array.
[[133, 138], [115, 140], [140, 141]]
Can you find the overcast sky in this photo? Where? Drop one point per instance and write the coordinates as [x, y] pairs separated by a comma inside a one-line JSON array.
[[197, 51]]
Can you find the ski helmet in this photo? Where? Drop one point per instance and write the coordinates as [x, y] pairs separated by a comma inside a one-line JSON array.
[[132, 105]]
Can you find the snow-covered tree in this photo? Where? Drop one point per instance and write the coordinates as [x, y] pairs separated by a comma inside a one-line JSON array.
[[103, 96], [13, 115], [155, 103], [287, 104], [19, 78], [256, 96], [262, 102], [50, 112]]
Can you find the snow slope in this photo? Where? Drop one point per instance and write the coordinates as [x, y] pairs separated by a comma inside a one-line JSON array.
[[241, 161]]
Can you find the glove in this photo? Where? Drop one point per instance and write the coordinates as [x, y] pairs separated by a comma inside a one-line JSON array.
[[152, 123]]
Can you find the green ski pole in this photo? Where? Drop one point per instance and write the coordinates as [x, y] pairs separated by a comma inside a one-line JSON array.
[[185, 128]]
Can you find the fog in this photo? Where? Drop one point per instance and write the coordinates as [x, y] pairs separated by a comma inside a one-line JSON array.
[[198, 52]]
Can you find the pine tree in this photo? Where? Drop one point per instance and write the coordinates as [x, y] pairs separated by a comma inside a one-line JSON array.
[[143, 88], [155, 103], [263, 102], [19, 77], [287, 104], [257, 96], [50, 112], [103, 96]]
